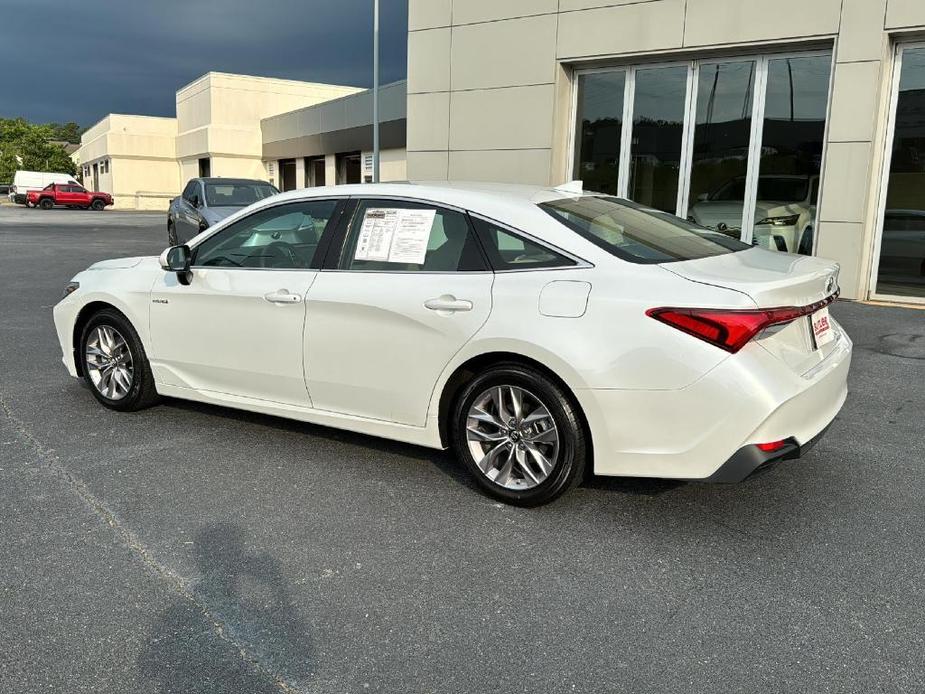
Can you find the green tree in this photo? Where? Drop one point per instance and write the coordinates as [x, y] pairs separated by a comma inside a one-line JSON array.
[[28, 146]]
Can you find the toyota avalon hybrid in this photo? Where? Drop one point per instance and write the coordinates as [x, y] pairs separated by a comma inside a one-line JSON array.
[[536, 332]]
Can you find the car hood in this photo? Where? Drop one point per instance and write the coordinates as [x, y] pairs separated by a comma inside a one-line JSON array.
[[117, 263], [213, 215]]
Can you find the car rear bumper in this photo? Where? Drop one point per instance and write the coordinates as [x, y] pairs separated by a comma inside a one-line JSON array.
[[693, 433], [750, 460]]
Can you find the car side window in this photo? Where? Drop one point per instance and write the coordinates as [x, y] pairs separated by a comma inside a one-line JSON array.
[[284, 237], [510, 251], [189, 191], [401, 236]]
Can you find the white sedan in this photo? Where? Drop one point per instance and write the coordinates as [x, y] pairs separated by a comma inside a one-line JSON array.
[[537, 332]]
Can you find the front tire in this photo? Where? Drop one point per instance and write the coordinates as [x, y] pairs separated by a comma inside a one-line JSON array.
[[114, 363], [98, 205], [172, 234], [46, 203], [519, 434]]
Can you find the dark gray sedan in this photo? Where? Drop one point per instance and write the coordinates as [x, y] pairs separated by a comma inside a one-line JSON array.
[[206, 201]]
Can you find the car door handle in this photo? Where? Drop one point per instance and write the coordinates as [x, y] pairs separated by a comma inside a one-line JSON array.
[[448, 302], [282, 296]]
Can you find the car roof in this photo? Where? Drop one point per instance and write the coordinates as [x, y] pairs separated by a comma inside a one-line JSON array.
[[219, 179], [470, 195]]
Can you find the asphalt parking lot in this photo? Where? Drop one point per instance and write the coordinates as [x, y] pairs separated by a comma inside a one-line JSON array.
[[191, 549]]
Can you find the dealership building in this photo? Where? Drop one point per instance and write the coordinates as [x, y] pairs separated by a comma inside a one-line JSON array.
[[799, 125], [287, 132]]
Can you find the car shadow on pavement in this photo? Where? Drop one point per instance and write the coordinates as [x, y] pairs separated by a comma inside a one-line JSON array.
[[237, 629], [444, 461]]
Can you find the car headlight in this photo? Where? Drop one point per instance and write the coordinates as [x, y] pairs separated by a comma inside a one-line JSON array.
[[70, 288], [788, 221]]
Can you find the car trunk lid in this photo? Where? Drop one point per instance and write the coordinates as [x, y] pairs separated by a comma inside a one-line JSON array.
[[773, 280], [770, 278]]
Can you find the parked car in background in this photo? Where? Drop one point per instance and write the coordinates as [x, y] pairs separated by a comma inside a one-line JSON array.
[[26, 181], [536, 332], [785, 211], [206, 201], [69, 195]]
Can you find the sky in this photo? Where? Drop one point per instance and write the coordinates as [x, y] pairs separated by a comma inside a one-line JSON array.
[[77, 60]]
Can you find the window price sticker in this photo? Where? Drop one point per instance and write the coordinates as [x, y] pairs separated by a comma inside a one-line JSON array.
[[394, 235]]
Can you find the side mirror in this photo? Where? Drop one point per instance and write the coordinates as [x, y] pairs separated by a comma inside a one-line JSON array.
[[194, 201], [177, 259]]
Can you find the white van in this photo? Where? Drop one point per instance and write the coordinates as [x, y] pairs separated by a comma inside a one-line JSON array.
[[24, 181]]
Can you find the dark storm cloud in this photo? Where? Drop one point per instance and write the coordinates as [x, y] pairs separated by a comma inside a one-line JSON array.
[[77, 61]]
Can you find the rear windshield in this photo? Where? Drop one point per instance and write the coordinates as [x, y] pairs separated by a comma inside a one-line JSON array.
[[237, 194], [639, 234]]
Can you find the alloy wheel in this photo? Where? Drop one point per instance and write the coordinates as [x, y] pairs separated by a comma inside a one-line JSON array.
[[512, 437], [109, 362]]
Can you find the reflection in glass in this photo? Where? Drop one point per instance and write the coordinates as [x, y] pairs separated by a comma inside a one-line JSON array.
[[902, 247], [719, 161], [791, 153], [600, 128], [658, 127]]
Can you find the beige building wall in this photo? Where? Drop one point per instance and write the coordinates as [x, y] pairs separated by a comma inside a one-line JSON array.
[[140, 152], [219, 116], [490, 85]]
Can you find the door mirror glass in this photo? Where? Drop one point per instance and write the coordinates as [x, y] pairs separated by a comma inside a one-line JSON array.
[[194, 200], [176, 259]]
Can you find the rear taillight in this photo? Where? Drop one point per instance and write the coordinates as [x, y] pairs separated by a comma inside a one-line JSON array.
[[731, 329]]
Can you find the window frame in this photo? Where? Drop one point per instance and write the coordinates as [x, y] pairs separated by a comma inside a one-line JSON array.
[[320, 251], [338, 242], [762, 59]]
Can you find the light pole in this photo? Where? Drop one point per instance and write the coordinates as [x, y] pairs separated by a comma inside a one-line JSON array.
[[375, 91]]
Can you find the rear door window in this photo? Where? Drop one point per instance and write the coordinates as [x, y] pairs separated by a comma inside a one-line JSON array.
[[403, 236]]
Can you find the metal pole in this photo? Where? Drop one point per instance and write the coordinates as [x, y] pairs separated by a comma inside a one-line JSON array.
[[375, 91]]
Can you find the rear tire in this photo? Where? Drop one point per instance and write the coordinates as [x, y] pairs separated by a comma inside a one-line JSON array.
[[114, 363], [530, 449], [46, 203], [98, 205]]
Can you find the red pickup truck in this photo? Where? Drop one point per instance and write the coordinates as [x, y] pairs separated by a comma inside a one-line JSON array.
[[67, 194]]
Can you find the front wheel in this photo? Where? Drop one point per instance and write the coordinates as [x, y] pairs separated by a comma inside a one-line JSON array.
[[114, 363], [98, 205], [46, 203], [520, 435]]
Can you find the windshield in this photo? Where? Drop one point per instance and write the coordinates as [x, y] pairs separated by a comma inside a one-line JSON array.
[[783, 189], [237, 194], [636, 233]]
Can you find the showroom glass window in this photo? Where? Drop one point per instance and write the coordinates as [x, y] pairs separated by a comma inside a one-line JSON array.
[[734, 145], [600, 130], [901, 265], [658, 128]]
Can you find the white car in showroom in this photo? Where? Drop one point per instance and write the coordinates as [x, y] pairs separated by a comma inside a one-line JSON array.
[[537, 332], [785, 211]]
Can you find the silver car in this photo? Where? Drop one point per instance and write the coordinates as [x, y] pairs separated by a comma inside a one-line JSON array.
[[206, 201]]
